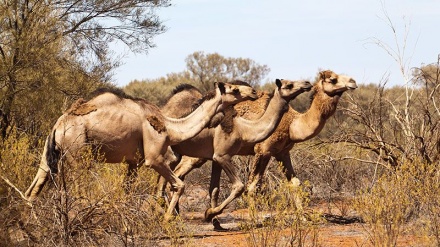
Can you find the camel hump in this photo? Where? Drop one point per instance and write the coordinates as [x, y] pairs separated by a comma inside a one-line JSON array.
[[254, 109], [99, 97], [184, 87], [116, 91], [81, 107]]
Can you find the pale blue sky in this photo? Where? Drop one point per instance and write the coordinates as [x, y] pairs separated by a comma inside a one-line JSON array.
[[293, 38]]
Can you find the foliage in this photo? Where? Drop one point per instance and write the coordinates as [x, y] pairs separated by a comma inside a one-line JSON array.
[[208, 68], [272, 213], [55, 52], [426, 189], [202, 71], [157, 91], [409, 191], [395, 124], [85, 204], [382, 145], [386, 207]]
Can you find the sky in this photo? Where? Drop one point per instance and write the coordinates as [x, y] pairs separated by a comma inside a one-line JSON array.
[[295, 39]]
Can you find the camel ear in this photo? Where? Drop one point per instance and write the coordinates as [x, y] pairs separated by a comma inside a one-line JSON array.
[[278, 83], [220, 86], [325, 74]]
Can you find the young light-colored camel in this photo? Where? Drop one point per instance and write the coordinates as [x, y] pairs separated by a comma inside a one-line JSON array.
[[222, 142], [294, 127], [125, 129]]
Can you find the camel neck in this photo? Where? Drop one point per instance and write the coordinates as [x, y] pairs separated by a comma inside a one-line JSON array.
[[184, 128], [309, 124], [258, 129]]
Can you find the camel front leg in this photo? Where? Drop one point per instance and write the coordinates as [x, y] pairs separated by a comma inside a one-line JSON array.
[[173, 160], [158, 157], [289, 172], [181, 169], [237, 186], [186, 165], [177, 186], [132, 174]]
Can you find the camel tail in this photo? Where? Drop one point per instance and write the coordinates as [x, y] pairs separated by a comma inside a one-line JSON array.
[[52, 153], [48, 163]]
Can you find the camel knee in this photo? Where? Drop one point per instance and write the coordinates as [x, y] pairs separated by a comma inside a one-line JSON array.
[[238, 187], [178, 187]]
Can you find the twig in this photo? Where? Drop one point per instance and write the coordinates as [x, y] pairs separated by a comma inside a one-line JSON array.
[[15, 188]]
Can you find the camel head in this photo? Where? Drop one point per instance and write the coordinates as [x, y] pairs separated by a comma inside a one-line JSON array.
[[235, 92], [334, 84], [290, 89]]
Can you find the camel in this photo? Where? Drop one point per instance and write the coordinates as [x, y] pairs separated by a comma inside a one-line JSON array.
[[222, 142], [293, 127], [126, 129], [298, 127]]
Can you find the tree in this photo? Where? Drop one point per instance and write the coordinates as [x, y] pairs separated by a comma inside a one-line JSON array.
[[156, 91], [202, 71], [208, 68], [53, 51]]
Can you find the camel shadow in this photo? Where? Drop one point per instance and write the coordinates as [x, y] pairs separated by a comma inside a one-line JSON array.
[[342, 220]]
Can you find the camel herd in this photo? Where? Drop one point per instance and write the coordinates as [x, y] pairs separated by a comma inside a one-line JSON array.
[[192, 128]]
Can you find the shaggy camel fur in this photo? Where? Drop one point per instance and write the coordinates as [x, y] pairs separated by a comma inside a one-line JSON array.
[[221, 143], [294, 127], [126, 129]]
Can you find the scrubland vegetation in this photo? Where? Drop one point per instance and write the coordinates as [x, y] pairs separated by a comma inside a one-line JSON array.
[[378, 156]]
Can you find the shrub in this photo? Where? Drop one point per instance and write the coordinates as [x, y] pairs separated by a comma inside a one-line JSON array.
[[400, 195], [274, 211], [84, 205]]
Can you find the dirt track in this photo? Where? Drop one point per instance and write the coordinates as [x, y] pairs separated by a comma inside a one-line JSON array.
[[329, 234]]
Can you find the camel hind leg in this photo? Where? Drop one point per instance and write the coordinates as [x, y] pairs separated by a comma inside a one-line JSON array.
[[48, 165], [256, 175], [38, 183], [289, 172]]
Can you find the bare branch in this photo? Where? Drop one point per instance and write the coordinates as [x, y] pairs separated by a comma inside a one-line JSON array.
[[14, 187]]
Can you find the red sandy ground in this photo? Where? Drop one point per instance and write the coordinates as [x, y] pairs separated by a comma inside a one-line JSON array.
[[329, 234]]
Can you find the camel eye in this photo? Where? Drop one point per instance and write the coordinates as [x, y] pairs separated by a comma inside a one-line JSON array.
[[236, 91], [290, 86], [333, 80]]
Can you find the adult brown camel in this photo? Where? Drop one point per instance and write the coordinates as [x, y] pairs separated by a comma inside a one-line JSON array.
[[126, 129], [222, 142], [294, 127], [298, 127]]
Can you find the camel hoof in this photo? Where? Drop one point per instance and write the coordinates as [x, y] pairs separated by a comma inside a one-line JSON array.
[[217, 226], [209, 215], [168, 217]]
